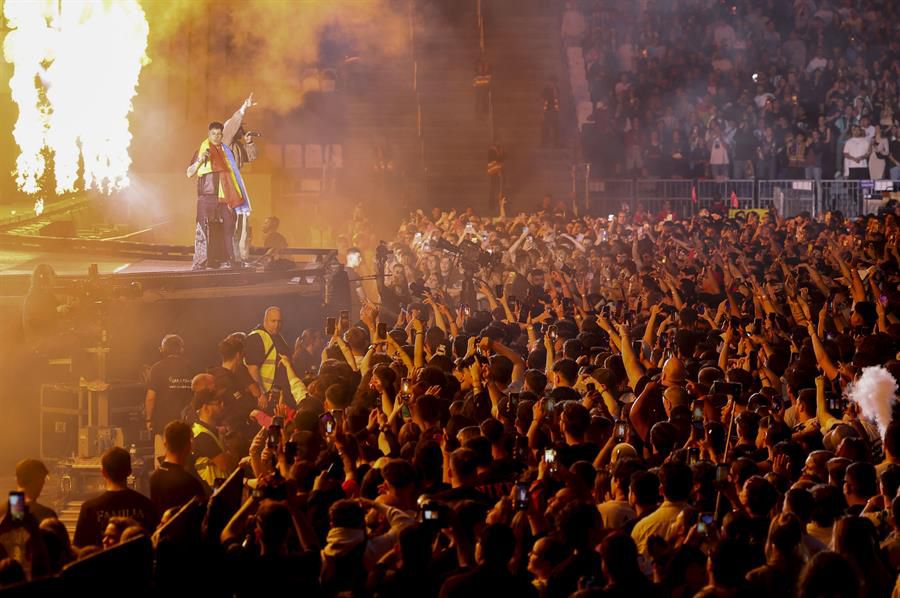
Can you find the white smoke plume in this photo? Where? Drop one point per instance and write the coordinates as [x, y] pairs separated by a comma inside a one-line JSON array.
[[875, 392]]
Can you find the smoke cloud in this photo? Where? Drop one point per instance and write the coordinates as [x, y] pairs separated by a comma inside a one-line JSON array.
[[266, 46], [875, 392]]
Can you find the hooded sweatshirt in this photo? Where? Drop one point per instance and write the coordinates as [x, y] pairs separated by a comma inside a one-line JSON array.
[[342, 540]]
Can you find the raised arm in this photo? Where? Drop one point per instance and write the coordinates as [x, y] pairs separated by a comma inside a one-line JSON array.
[[826, 420], [234, 123], [828, 367], [518, 372], [651, 325], [632, 365], [298, 388], [418, 344]]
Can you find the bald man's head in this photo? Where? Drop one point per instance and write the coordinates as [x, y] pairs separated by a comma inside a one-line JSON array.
[[272, 320], [676, 396], [203, 382]]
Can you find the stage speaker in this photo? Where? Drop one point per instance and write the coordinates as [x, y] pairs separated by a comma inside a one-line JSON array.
[[58, 228], [59, 421], [126, 411], [61, 417], [59, 435]]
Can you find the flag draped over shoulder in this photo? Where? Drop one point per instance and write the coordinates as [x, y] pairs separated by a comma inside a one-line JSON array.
[[231, 186]]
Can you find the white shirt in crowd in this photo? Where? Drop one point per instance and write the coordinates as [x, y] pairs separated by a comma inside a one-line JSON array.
[[718, 153], [856, 146], [656, 523], [818, 62], [615, 513]]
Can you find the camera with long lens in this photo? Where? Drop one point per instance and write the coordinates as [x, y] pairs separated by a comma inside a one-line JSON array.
[[95, 289], [470, 255]]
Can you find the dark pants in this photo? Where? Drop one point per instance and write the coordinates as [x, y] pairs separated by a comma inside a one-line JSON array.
[[214, 237], [765, 168], [859, 174]]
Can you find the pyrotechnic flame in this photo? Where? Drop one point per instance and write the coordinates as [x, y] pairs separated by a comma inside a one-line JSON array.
[[76, 69]]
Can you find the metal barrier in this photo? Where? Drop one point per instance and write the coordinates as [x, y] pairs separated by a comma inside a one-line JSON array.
[[843, 196], [686, 196], [788, 197], [712, 192], [606, 196], [655, 193]]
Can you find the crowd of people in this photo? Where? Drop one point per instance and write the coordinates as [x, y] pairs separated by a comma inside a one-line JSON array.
[[545, 404], [740, 89]]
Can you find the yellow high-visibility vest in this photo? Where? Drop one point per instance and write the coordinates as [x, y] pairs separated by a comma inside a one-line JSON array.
[[206, 467], [270, 361]]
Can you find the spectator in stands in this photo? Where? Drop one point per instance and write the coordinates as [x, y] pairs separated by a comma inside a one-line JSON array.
[[718, 155], [856, 154], [894, 158]]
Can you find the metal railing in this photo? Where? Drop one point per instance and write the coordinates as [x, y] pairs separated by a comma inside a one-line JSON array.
[[687, 196]]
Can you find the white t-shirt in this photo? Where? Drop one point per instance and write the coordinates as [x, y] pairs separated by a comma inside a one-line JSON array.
[[723, 35], [615, 513], [762, 98], [718, 153], [855, 146], [818, 62]]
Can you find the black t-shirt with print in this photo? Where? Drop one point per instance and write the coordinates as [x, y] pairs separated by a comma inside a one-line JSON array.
[[170, 379], [96, 513]]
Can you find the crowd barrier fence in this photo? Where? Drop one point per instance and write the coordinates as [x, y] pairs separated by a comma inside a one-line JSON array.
[[686, 197]]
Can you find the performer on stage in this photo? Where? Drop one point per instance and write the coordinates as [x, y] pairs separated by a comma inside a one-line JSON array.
[[244, 151], [220, 193]]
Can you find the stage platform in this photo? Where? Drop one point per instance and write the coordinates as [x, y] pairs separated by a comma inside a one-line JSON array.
[[153, 266]]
